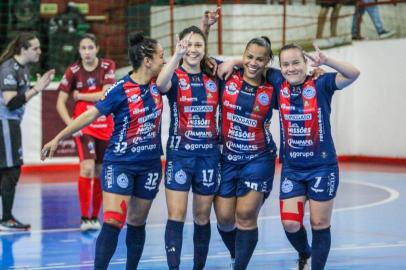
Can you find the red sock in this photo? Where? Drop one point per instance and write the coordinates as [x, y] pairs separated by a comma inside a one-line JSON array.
[[84, 189], [97, 197]]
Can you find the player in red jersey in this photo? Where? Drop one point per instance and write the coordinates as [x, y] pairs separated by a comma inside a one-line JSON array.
[[87, 80]]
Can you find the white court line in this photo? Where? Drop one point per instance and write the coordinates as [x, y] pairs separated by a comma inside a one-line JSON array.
[[220, 255], [393, 195]]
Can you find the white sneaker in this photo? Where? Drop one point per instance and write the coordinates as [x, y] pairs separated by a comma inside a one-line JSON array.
[[85, 224], [386, 34], [95, 224]]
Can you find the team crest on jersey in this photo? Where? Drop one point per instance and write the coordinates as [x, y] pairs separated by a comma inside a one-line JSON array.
[[183, 84], [154, 90], [263, 99], [286, 186], [122, 180], [211, 86], [309, 92], [180, 177], [285, 92], [91, 81], [231, 88]]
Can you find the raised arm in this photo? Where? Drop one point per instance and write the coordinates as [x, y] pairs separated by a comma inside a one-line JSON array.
[[74, 126], [347, 73], [209, 18], [163, 81]]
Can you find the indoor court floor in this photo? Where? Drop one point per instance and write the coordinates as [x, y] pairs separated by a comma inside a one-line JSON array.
[[368, 229]]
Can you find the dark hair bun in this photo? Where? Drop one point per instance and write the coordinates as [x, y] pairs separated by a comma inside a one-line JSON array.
[[267, 40], [135, 38]]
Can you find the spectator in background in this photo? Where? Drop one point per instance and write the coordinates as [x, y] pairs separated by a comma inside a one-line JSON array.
[[87, 80], [325, 5], [373, 12], [15, 91]]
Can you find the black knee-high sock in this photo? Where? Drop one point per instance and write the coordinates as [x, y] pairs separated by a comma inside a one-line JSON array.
[[299, 242], [135, 240], [201, 240], [246, 241], [105, 246], [8, 188], [173, 243], [321, 243], [229, 240]]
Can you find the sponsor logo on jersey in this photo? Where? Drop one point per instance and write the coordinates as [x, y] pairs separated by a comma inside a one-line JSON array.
[[211, 86], [287, 107], [91, 82], [309, 92], [134, 98], [232, 106], [197, 122], [240, 147], [236, 132], [141, 148], [188, 99], [146, 128], [298, 117], [90, 147], [198, 135], [296, 130], [301, 154], [9, 80], [240, 157], [286, 186], [231, 88], [183, 84], [331, 184], [122, 180], [142, 110], [241, 120], [193, 147], [169, 170], [263, 99], [150, 116], [299, 144], [197, 109], [180, 177]]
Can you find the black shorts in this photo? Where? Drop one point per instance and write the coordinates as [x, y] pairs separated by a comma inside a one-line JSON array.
[[11, 151]]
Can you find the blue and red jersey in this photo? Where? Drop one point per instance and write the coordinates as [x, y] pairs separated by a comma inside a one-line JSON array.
[[137, 112], [304, 110], [193, 100], [246, 113]]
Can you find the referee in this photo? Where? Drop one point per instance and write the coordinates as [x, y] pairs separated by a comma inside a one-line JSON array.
[[15, 91]]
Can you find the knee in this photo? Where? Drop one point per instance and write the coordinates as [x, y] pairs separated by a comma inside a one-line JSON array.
[[87, 170], [319, 223], [291, 226], [135, 219], [201, 218], [177, 214], [226, 222], [246, 218]]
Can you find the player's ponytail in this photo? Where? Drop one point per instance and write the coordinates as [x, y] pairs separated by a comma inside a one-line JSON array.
[[140, 47], [15, 46]]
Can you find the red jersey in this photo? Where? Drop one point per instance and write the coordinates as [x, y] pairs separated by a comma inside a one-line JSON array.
[[77, 78]]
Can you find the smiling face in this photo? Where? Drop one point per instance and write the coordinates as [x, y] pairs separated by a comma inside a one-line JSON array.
[[293, 66], [195, 52], [88, 51], [255, 59]]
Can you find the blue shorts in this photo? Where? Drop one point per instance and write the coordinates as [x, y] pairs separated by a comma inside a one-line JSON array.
[[238, 179], [140, 180], [202, 173], [317, 184]]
